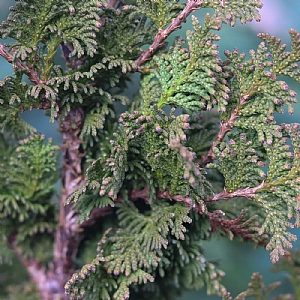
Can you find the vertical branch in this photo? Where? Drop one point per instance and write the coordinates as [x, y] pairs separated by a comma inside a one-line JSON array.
[[69, 234], [35, 269]]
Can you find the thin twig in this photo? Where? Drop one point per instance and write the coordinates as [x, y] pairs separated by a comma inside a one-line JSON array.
[[162, 35], [18, 64], [225, 127], [248, 193], [237, 227]]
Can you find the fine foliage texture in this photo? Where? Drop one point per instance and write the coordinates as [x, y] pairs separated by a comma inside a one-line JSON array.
[[196, 153]]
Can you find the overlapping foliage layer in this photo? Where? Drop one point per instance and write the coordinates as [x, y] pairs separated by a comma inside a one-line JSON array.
[[192, 107]]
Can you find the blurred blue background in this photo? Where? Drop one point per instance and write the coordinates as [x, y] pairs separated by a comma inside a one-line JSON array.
[[238, 260]]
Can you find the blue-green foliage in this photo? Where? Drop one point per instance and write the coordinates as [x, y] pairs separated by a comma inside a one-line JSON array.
[[149, 151], [95, 63], [159, 151], [257, 289], [239, 162], [27, 188], [256, 94], [39, 172], [279, 197], [232, 10], [160, 12], [191, 78], [145, 245], [153, 251]]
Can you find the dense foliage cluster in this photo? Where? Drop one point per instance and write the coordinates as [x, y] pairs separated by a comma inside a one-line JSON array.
[[165, 170]]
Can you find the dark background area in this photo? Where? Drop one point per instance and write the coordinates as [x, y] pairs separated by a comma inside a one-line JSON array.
[[238, 260]]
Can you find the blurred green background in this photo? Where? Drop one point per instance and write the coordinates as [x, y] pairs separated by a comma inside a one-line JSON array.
[[238, 260]]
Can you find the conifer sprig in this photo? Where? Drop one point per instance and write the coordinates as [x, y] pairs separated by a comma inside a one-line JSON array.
[[256, 289], [162, 34], [151, 162]]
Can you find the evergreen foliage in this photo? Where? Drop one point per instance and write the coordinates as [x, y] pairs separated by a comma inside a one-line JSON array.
[[27, 203], [256, 289], [196, 153]]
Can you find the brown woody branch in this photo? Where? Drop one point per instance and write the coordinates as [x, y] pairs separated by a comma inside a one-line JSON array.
[[69, 234], [36, 271], [234, 225], [248, 193], [162, 35], [225, 126], [29, 71], [32, 74], [239, 227]]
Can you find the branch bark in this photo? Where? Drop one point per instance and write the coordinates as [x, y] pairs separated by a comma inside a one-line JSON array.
[[225, 127], [35, 269], [18, 64], [248, 193], [69, 234]]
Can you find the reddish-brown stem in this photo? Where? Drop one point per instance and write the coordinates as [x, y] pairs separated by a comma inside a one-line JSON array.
[[69, 234], [245, 193], [225, 127], [248, 193], [236, 227], [19, 65], [162, 35]]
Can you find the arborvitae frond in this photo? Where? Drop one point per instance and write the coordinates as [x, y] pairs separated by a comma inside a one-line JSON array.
[[164, 162], [191, 79], [160, 139], [204, 57], [99, 113], [105, 175], [147, 242], [239, 161], [89, 201], [290, 263], [137, 277], [12, 91], [82, 285], [231, 10], [284, 62], [28, 179], [165, 218], [279, 195], [139, 242], [128, 31], [160, 12], [85, 284], [184, 265], [74, 27], [256, 289], [257, 92], [48, 23], [95, 118], [26, 208], [12, 102]]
